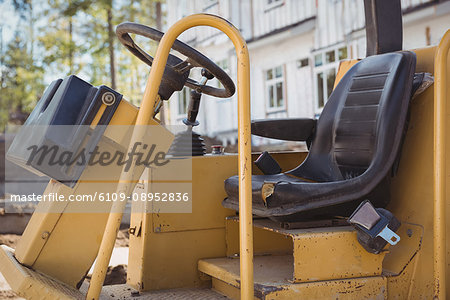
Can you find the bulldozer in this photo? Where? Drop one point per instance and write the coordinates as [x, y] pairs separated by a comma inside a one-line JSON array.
[[361, 215]]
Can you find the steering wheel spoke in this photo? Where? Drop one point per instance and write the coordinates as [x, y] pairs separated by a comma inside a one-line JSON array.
[[183, 66]]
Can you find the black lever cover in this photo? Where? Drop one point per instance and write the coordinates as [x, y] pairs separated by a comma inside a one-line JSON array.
[[267, 164]]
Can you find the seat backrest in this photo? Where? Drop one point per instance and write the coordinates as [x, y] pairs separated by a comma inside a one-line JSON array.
[[361, 125]]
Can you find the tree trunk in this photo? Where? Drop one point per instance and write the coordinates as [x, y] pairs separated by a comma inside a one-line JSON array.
[[70, 45], [158, 15], [112, 68]]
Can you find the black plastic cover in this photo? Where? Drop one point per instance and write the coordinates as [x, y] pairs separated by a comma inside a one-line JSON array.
[[267, 164], [69, 101]]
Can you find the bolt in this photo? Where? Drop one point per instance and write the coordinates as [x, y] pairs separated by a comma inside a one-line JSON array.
[[409, 232], [45, 235], [108, 98]]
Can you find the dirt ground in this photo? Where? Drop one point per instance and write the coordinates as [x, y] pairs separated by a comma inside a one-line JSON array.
[[115, 275], [9, 240]]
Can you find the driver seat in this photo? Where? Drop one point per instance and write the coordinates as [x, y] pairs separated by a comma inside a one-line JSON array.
[[354, 146]]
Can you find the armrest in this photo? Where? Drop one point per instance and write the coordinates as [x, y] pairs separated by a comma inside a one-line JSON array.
[[285, 129]]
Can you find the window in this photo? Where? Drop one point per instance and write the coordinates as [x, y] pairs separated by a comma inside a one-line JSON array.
[[318, 60], [275, 89], [324, 84], [342, 53], [325, 65], [183, 99], [320, 98], [223, 64], [329, 57], [302, 63]]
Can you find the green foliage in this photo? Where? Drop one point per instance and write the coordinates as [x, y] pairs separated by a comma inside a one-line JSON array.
[[56, 38], [21, 82]]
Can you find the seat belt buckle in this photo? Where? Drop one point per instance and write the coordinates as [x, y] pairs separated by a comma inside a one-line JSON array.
[[375, 227]]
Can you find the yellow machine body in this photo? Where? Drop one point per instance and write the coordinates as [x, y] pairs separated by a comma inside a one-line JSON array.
[[170, 253], [62, 241]]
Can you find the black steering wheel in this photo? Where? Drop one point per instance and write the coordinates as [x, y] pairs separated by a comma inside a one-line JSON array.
[[194, 59]]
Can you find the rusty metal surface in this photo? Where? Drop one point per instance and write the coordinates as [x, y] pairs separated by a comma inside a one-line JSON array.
[[123, 291], [272, 281], [270, 270]]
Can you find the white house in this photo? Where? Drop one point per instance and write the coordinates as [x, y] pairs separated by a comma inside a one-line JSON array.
[[295, 47]]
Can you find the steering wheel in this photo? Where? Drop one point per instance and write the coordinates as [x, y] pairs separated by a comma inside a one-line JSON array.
[[194, 59]]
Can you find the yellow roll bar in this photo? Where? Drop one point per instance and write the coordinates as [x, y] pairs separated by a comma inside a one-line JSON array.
[[440, 120], [145, 114]]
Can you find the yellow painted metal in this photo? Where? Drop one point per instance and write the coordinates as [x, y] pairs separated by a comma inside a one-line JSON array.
[[440, 124], [359, 288], [272, 281], [62, 238], [344, 66], [30, 284], [226, 289], [402, 254], [244, 140], [166, 247], [264, 241], [334, 247], [412, 193]]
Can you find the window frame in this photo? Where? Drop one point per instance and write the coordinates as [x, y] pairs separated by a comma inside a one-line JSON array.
[[186, 92], [324, 68], [274, 4], [227, 70], [273, 82]]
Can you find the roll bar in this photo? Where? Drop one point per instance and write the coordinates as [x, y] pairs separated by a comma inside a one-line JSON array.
[[149, 102]]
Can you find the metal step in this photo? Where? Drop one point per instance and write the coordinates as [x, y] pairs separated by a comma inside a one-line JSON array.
[[310, 250], [271, 276], [123, 291], [33, 285]]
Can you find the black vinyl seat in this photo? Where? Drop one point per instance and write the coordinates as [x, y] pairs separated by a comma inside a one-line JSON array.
[[354, 146]]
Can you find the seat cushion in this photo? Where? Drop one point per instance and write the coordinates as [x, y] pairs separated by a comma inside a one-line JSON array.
[[260, 197]]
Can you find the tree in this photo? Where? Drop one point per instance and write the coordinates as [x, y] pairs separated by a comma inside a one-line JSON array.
[[21, 74], [55, 38], [22, 81]]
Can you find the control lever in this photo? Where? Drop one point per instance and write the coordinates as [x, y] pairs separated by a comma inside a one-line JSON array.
[[193, 108], [194, 103]]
